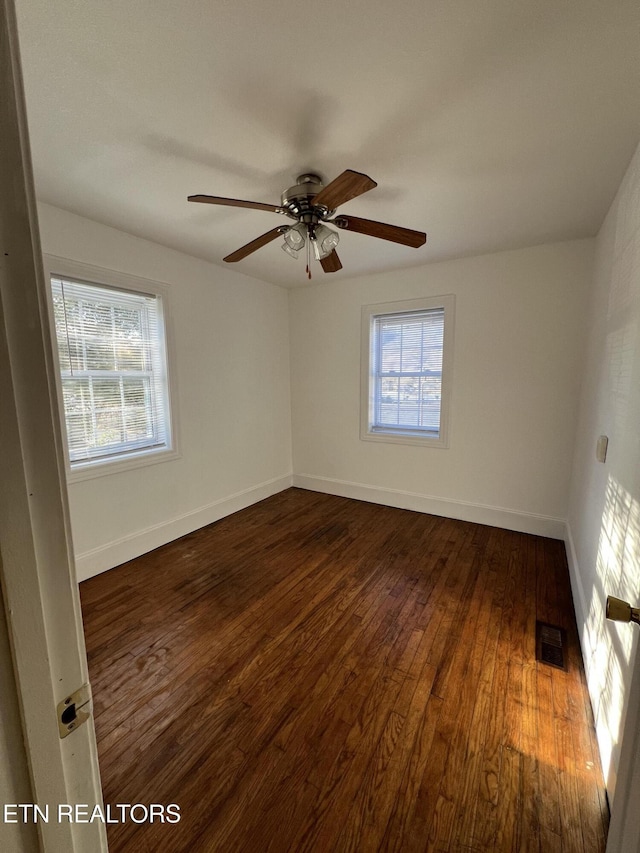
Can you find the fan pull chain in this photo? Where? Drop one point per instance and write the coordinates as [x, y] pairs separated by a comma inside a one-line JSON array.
[[309, 260]]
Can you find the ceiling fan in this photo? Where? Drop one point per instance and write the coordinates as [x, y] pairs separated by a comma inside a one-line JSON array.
[[311, 204]]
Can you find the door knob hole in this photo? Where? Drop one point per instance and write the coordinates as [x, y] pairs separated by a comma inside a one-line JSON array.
[[68, 715]]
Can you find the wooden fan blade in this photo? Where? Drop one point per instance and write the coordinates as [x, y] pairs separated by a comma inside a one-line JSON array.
[[234, 202], [258, 243], [331, 263], [406, 236], [346, 186]]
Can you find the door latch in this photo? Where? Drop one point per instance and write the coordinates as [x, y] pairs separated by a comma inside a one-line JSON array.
[[74, 710]]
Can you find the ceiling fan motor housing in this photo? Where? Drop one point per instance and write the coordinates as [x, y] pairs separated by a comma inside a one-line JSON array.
[[297, 201]]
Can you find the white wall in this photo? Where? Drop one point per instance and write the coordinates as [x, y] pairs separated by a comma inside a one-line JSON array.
[[604, 507], [518, 344], [230, 336]]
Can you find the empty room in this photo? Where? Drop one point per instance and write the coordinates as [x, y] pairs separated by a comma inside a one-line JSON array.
[[320, 381]]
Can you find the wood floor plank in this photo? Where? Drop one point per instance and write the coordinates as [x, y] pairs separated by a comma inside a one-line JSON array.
[[594, 832], [572, 830], [532, 793], [549, 800], [474, 781], [509, 824], [318, 674], [404, 807]]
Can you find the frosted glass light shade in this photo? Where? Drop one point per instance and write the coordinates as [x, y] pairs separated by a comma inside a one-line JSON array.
[[293, 253], [294, 238], [326, 241]]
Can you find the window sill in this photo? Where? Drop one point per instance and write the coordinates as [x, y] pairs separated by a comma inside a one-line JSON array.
[[104, 468], [405, 438]]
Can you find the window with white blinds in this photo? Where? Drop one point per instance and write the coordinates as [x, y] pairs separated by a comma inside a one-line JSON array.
[[408, 371], [113, 370], [405, 366]]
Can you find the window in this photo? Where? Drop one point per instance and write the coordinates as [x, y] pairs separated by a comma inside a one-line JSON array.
[[113, 374], [406, 355]]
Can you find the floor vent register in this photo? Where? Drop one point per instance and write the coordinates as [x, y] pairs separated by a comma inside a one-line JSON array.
[[550, 645]]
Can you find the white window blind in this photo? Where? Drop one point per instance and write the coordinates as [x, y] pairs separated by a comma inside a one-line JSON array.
[[407, 353], [112, 358]]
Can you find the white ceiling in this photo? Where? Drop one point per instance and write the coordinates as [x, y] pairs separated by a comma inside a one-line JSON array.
[[490, 124]]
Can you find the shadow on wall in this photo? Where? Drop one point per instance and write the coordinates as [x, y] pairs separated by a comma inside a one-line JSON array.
[[610, 645]]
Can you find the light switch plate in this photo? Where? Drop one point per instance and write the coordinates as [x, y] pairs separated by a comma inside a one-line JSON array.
[[601, 448]]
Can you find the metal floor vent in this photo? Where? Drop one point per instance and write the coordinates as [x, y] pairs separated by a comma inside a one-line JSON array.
[[550, 645]]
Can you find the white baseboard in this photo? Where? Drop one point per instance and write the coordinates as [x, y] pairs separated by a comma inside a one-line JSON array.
[[540, 525], [580, 608], [582, 614], [577, 591], [97, 560]]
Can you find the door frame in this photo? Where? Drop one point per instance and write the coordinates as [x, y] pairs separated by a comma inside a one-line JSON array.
[[39, 587]]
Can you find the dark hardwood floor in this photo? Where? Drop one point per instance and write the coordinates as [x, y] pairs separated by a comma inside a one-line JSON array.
[[319, 674]]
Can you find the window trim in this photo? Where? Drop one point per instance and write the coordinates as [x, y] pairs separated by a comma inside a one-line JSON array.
[[66, 268], [367, 379]]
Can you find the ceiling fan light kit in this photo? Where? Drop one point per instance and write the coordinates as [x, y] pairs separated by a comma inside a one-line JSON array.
[[311, 204], [323, 240]]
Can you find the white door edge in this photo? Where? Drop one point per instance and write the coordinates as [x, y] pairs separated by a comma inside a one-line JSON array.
[[38, 580], [624, 832]]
